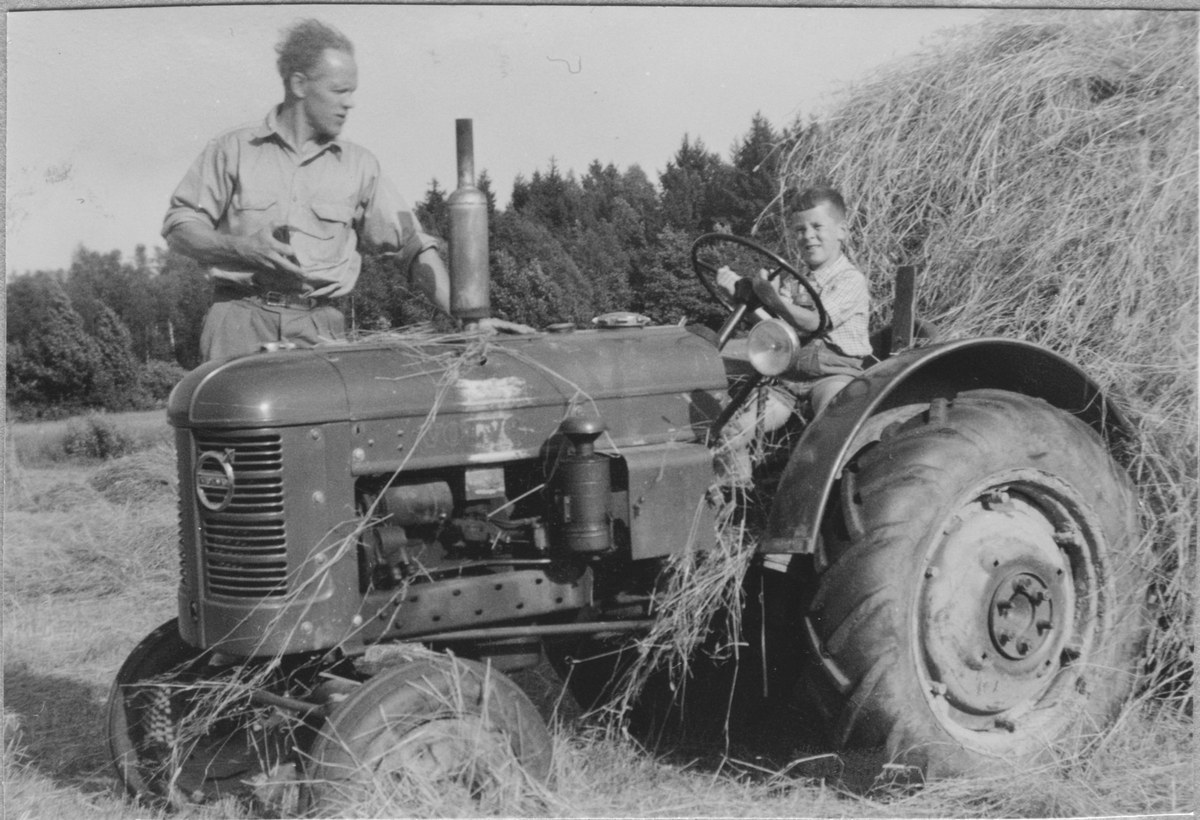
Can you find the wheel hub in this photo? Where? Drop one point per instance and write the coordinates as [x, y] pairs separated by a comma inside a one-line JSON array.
[[996, 609], [1021, 615], [462, 752]]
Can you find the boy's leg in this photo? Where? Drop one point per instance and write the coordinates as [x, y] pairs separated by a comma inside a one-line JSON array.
[[768, 411]]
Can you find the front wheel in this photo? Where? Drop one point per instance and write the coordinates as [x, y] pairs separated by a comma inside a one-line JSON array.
[[982, 605], [445, 735]]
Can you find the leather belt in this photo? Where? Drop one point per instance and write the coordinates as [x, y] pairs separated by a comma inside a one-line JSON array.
[[272, 298]]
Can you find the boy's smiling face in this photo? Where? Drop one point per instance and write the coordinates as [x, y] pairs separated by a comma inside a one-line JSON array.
[[820, 232]]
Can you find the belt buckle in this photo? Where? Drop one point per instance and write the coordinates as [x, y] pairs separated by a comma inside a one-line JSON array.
[[273, 299]]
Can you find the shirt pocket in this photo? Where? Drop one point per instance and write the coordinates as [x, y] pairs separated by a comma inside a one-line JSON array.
[[332, 218], [252, 213], [326, 231]]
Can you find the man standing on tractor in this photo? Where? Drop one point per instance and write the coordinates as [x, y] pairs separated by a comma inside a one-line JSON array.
[[277, 210]]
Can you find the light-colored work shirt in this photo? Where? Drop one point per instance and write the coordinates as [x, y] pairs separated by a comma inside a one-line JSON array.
[[845, 295], [330, 200]]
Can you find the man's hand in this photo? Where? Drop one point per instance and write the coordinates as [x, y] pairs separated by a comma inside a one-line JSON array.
[[491, 325], [259, 252], [263, 251]]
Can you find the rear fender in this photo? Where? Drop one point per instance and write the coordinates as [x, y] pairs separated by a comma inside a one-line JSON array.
[[905, 384]]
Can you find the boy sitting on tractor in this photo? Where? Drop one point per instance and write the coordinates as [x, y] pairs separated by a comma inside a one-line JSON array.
[[819, 223]]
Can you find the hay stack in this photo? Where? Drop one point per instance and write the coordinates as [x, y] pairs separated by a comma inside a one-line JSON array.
[[1041, 169], [147, 475]]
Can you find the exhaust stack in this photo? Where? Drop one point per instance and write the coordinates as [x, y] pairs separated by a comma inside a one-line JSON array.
[[469, 278]]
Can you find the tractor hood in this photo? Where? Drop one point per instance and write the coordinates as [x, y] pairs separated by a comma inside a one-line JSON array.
[[645, 384]]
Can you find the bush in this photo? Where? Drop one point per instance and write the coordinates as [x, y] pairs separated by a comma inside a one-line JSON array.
[[157, 378], [117, 372], [95, 437]]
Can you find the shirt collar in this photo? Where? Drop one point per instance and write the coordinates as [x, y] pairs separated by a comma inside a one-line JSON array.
[[838, 264], [270, 129]]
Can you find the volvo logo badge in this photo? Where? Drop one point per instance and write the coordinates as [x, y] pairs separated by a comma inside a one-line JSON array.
[[214, 479]]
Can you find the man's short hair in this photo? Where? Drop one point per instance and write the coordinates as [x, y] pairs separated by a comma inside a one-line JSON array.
[[303, 44], [810, 198]]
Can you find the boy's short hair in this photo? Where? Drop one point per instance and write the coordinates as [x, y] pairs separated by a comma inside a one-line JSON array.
[[810, 198], [303, 44]]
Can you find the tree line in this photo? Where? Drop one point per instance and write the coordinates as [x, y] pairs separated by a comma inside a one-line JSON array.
[[115, 334]]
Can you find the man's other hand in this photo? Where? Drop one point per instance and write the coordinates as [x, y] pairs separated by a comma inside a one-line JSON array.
[[491, 325]]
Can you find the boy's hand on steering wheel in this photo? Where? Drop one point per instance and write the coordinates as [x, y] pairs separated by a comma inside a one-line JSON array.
[[728, 279]]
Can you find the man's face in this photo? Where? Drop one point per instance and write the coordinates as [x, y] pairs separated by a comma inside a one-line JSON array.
[[820, 233], [329, 93]]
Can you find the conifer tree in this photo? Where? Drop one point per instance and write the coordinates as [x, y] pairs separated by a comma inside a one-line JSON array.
[[116, 376], [55, 370]]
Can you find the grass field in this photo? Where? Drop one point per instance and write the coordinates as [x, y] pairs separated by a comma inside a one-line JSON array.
[[89, 569]]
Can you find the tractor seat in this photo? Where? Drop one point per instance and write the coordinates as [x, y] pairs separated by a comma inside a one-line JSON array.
[[883, 341], [906, 329]]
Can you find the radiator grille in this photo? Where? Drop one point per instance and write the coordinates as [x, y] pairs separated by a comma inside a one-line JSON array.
[[245, 544]]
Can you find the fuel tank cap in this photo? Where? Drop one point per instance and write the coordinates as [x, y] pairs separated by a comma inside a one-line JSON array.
[[621, 318]]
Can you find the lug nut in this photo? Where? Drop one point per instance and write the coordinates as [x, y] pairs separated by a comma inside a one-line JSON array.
[[1043, 627], [1023, 648]]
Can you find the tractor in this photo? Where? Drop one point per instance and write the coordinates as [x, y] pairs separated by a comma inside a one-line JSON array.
[[374, 532]]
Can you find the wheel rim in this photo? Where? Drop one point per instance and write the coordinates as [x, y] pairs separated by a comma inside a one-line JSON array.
[[460, 757], [1008, 603]]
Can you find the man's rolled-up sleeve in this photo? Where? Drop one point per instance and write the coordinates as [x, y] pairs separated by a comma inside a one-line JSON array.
[[391, 226], [205, 192]]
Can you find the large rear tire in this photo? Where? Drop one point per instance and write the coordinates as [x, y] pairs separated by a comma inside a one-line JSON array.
[[982, 605], [429, 734]]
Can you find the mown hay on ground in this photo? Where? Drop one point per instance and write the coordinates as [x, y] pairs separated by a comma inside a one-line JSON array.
[[144, 476]]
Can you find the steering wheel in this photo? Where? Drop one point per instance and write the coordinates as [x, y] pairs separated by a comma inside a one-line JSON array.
[[707, 275]]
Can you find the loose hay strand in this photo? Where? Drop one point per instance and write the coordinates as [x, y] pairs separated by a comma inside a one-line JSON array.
[[1041, 170]]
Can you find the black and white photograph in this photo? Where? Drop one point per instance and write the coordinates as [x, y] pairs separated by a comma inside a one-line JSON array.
[[564, 410]]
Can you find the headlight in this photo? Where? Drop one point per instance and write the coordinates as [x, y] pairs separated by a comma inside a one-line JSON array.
[[771, 346]]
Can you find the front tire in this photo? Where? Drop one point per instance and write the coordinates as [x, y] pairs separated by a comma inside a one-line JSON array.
[[440, 733], [982, 605]]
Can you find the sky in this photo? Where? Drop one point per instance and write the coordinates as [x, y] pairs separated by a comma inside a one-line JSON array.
[[107, 108]]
